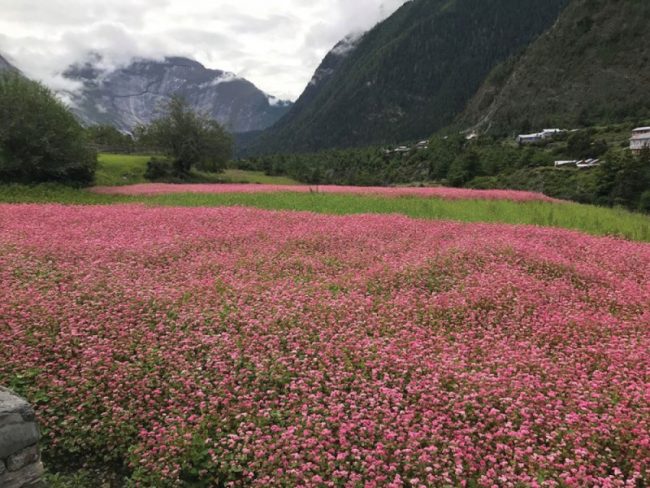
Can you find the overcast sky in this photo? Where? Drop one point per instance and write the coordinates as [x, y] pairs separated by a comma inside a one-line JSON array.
[[276, 44]]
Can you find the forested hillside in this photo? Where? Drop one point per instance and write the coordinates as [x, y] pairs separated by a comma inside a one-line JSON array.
[[412, 74], [592, 67]]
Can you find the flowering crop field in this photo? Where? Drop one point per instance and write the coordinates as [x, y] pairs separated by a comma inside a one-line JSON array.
[[151, 189], [242, 347]]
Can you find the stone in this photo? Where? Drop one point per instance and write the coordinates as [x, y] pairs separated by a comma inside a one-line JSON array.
[[10, 418], [22, 458], [26, 477], [11, 403], [2, 467], [15, 437], [35, 484]]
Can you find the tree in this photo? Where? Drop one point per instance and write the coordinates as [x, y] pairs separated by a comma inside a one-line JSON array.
[[631, 180], [40, 140], [190, 139], [108, 138], [581, 145], [464, 168]]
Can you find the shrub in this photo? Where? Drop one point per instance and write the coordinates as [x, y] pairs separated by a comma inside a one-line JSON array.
[[40, 140], [159, 169]]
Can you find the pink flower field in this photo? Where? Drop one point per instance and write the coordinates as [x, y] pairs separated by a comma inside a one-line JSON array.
[[151, 189], [241, 347]]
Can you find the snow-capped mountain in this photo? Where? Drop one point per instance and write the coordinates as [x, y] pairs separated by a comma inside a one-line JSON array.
[[132, 95]]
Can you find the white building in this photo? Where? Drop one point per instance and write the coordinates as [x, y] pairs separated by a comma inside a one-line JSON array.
[[588, 163], [582, 163], [530, 138], [640, 139], [571, 162], [539, 136]]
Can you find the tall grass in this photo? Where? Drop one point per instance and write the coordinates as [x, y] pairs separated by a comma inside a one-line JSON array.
[[586, 218]]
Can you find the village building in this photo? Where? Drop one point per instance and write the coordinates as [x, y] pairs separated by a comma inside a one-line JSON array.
[[530, 138], [581, 164], [588, 163], [539, 136], [571, 162], [640, 139]]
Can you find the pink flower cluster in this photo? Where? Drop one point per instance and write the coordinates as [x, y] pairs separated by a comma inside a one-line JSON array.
[[151, 189], [240, 347]]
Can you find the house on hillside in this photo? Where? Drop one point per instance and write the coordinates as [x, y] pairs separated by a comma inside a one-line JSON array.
[[640, 139], [560, 164], [539, 136], [530, 138], [588, 163], [582, 164]]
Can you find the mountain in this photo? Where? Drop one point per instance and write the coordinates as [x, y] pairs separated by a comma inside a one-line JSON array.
[[593, 66], [5, 65], [325, 72], [132, 95], [410, 75]]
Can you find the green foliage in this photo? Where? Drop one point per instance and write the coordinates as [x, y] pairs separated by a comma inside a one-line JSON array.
[[485, 163], [580, 145], [159, 169], [108, 139], [40, 140], [189, 139]]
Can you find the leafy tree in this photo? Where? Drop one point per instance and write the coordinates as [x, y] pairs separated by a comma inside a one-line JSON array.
[[464, 168], [190, 139], [40, 140], [581, 145], [108, 138]]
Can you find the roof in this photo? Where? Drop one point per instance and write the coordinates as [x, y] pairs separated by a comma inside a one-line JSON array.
[[642, 129]]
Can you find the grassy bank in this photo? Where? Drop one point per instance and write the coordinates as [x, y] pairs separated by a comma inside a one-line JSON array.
[[129, 169], [586, 218]]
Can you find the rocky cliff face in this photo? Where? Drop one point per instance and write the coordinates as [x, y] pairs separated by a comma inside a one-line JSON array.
[[133, 95]]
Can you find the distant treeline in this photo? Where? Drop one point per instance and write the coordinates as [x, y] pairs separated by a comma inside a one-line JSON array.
[[486, 162]]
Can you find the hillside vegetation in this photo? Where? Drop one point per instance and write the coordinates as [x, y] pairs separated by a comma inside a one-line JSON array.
[[412, 74], [593, 66]]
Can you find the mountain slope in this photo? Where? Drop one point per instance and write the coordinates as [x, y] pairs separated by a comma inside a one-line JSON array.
[[5, 65], [132, 95], [592, 66], [411, 74]]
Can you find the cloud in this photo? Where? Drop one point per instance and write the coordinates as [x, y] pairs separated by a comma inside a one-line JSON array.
[[276, 45]]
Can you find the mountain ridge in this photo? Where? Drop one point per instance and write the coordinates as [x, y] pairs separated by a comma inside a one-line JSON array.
[[132, 95]]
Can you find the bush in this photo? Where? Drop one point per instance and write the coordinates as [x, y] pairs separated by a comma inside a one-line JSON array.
[[644, 202], [159, 169], [40, 140]]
